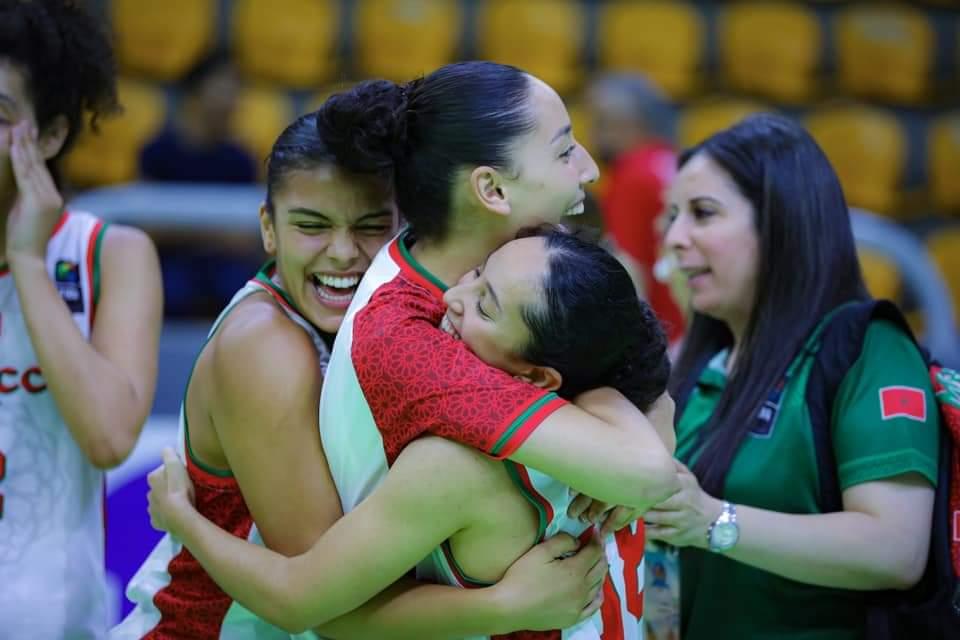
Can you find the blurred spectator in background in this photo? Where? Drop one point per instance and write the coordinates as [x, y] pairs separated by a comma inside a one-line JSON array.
[[631, 132], [199, 278], [197, 146]]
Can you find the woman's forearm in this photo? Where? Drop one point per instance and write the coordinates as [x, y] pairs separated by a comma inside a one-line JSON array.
[[97, 400], [409, 610], [651, 454], [347, 567], [250, 574], [847, 549], [261, 580]]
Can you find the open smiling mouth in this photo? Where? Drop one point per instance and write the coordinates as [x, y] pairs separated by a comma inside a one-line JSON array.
[[447, 326], [335, 291]]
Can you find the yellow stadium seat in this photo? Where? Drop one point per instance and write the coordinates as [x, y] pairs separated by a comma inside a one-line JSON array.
[[543, 37], [944, 248], [701, 120], [885, 52], [403, 39], [112, 155], [771, 49], [662, 39], [162, 40], [867, 147], [943, 163], [881, 274], [286, 42], [261, 115]]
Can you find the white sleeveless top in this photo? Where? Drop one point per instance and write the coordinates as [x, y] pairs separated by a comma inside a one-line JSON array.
[[52, 582], [154, 575]]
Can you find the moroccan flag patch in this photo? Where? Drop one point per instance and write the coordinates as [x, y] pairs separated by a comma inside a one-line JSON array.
[[903, 402]]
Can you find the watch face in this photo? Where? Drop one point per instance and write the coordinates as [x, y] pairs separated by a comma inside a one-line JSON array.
[[725, 535]]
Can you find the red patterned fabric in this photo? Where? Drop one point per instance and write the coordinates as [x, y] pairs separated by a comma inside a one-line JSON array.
[[192, 605], [946, 386], [418, 379]]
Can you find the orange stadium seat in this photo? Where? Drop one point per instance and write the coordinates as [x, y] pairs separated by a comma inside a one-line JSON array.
[[944, 248], [262, 114], [701, 120], [943, 162], [885, 52], [662, 39], [881, 274], [402, 39], [543, 37], [286, 42], [771, 49], [867, 147], [112, 155], [161, 40]]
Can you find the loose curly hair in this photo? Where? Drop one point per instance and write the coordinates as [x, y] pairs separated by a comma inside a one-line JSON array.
[[66, 56]]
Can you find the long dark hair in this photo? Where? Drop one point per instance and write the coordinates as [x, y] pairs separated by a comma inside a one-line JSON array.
[[422, 132], [592, 327], [807, 266]]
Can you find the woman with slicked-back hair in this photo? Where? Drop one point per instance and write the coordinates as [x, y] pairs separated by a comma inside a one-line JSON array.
[[452, 334], [249, 423]]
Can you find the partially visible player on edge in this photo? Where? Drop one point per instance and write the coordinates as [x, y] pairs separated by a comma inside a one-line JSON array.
[[80, 314], [477, 151], [249, 424]]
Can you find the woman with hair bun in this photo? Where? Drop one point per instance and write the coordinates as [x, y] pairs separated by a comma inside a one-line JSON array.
[[476, 152], [249, 424]]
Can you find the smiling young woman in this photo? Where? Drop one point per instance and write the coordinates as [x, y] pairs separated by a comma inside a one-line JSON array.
[[476, 152], [249, 423]]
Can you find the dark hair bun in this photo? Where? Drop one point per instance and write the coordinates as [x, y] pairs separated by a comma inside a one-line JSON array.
[[367, 128], [643, 375]]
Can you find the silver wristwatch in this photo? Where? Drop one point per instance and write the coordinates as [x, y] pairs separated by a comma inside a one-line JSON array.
[[723, 533]]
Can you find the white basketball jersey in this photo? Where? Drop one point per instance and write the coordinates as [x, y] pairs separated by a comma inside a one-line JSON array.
[[355, 452], [620, 617], [168, 606], [52, 583]]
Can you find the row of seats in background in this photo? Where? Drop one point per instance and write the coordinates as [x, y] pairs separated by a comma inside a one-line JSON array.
[[870, 146], [789, 52], [772, 53], [873, 81]]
